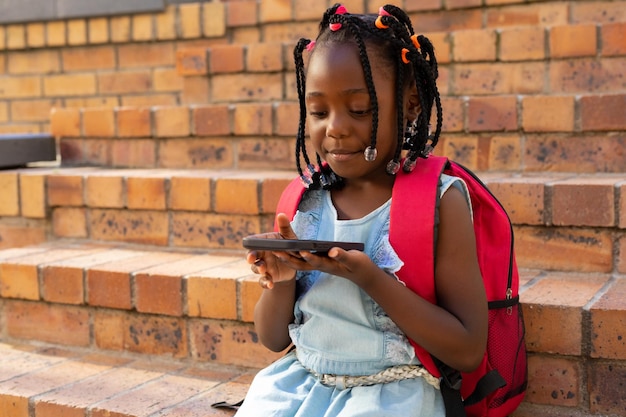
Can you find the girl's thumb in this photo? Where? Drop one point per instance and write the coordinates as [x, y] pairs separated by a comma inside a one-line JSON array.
[[284, 226]]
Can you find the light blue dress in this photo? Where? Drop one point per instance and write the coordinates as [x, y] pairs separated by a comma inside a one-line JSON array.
[[339, 329]]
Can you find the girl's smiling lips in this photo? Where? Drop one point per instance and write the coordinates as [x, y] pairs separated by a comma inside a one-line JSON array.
[[341, 155]]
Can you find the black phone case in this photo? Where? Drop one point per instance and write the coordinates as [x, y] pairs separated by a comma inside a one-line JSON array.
[[294, 245]]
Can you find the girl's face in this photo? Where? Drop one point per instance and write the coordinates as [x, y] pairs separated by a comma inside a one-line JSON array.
[[339, 112]]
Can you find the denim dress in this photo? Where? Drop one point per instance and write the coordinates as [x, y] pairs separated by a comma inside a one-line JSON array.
[[338, 329]]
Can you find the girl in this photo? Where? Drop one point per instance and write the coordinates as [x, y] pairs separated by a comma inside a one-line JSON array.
[[347, 314]]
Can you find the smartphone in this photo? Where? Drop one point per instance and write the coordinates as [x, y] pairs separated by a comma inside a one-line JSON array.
[[318, 247]]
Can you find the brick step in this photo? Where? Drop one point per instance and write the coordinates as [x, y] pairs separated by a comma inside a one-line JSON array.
[[562, 221], [197, 308], [38, 380]]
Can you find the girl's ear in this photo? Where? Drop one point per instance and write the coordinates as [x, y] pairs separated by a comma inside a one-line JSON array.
[[413, 105]]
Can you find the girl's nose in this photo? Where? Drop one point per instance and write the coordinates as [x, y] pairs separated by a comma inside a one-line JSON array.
[[337, 127]]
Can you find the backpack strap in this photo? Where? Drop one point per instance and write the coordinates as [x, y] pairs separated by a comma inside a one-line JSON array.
[[290, 199]]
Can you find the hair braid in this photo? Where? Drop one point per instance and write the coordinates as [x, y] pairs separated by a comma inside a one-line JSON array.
[[414, 61]]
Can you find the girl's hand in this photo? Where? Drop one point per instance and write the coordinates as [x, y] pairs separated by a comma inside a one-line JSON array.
[[270, 265]]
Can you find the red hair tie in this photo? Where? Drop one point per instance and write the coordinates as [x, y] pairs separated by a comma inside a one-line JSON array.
[[383, 12], [335, 26], [310, 46], [341, 10], [379, 23]]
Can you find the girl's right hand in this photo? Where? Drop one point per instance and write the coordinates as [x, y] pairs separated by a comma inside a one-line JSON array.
[[265, 263]]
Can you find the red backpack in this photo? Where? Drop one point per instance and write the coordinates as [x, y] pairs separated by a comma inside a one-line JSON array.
[[498, 385]]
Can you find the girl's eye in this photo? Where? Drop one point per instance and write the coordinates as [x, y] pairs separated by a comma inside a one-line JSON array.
[[318, 114], [361, 112]]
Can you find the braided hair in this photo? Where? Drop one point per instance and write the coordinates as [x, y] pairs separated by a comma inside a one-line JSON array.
[[412, 57]]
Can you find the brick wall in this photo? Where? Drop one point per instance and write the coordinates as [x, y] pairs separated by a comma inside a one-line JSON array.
[[527, 86]]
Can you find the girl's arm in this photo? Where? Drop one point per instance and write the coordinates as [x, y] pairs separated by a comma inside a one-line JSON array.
[[455, 330], [274, 311]]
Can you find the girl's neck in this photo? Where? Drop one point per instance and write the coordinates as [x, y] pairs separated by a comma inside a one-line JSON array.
[[357, 199]]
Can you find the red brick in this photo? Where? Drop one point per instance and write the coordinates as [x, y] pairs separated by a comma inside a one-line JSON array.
[[603, 112], [608, 323], [153, 335], [145, 193], [286, 116], [494, 78], [151, 397], [213, 19], [126, 82], [190, 193], [548, 113], [20, 87], [264, 57], [35, 35], [142, 27], [226, 58], [621, 250], [266, 154], [76, 32], [66, 325], [247, 87], [98, 30], [189, 25], [250, 291], [241, 13], [602, 12], [271, 190], [65, 122], [146, 227], [492, 113], [90, 58], [237, 195], [171, 121], [523, 198], [72, 151], [210, 293], [141, 100], [109, 284], [192, 61], [104, 190], [228, 343], [195, 90], [522, 44], [12, 236], [587, 75], [16, 36], [212, 120], [56, 33], [70, 85], [166, 23], [215, 231], [136, 153], [146, 55], [542, 14], [606, 394], [253, 119], [555, 381], [32, 110], [196, 153], [459, 4], [133, 122], [464, 45], [69, 222], [120, 29], [98, 122], [573, 41], [553, 312], [9, 203], [505, 153], [421, 5], [565, 153], [584, 201], [32, 195], [66, 190], [613, 39], [275, 11], [564, 249], [33, 62]]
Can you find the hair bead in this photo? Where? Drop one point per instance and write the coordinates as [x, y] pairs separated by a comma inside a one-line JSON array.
[[341, 10], [310, 46], [415, 41], [334, 26], [405, 58], [379, 23], [383, 12]]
